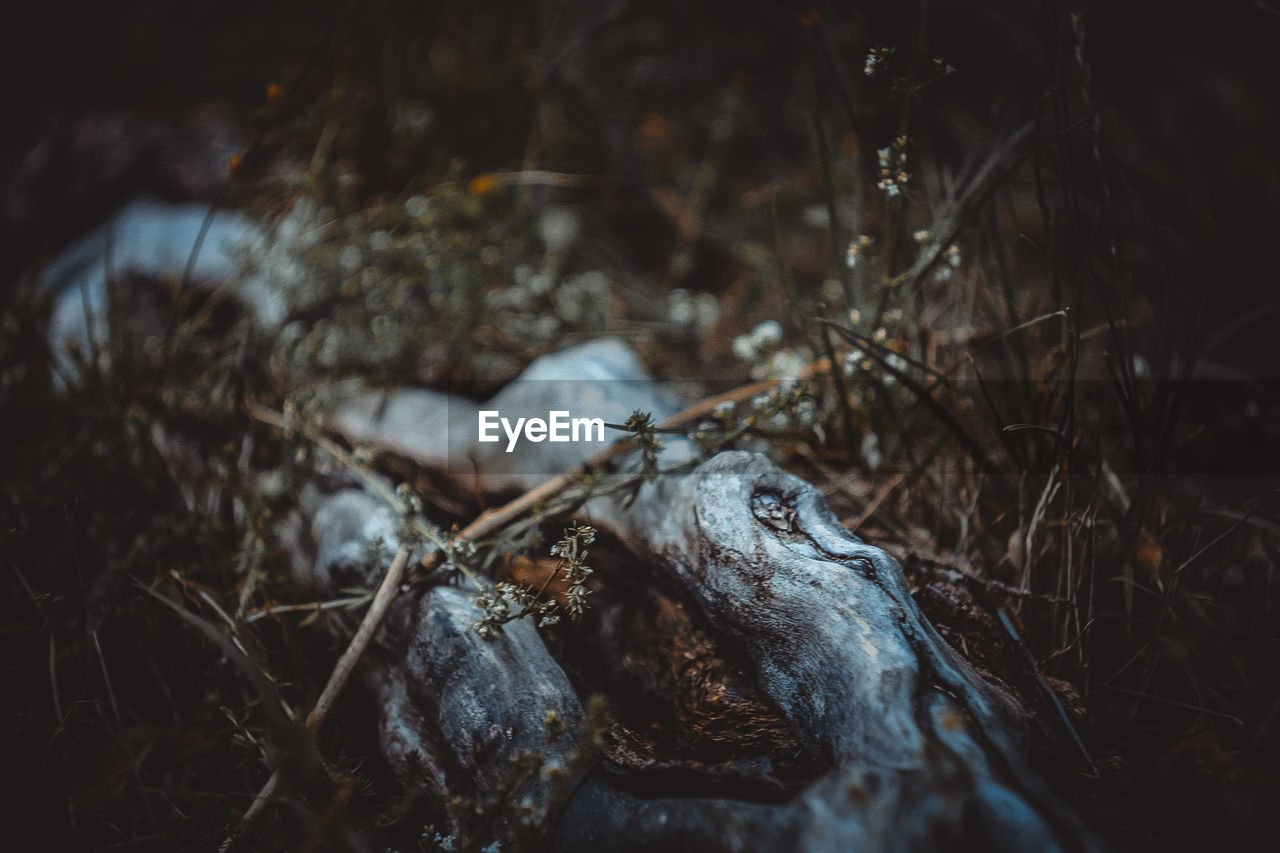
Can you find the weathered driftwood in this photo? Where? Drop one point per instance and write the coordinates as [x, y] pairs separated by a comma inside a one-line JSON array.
[[493, 722], [923, 755], [921, 751], [918, 751]]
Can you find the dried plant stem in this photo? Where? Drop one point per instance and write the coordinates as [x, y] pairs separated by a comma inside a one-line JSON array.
[[266, 794], [364, 634], [880, 496], [377, 486], [312, 607]]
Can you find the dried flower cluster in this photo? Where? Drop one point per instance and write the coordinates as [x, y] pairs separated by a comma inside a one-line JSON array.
[[893, 167], [508, 602]]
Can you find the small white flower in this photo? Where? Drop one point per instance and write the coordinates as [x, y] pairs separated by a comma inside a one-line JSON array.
[[546, 326], [380, 241], [952, 258], [786, 364], [871, 451], [706, 311], [304, 210], [768, 333], [558, 228], [893, 159], [595, 283], [288, 229], [923, 235], [856, 249], [744, 347], [350, 259], [540, 283], [416, 206], [418, 244], [679, 307], [816, 216], [942, 68], [521, 274], [875, 59], [850, 363]]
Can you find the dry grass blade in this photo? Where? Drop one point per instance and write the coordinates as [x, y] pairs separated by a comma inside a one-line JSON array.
[[1049, 691], [338, 679], [923, 395], [253, 673]]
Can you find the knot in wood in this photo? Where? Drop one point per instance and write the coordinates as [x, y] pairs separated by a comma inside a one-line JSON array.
[[773, 511]]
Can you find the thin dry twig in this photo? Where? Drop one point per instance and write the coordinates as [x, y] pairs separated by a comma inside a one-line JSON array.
[[1049, 691], [364, 634], [1212, 543], [880, 496], [312, 607], [955, 568], [546, 178], [106, 676], [53, 678]]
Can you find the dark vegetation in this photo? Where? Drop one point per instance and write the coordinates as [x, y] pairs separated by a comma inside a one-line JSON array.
[[1071, 439]]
